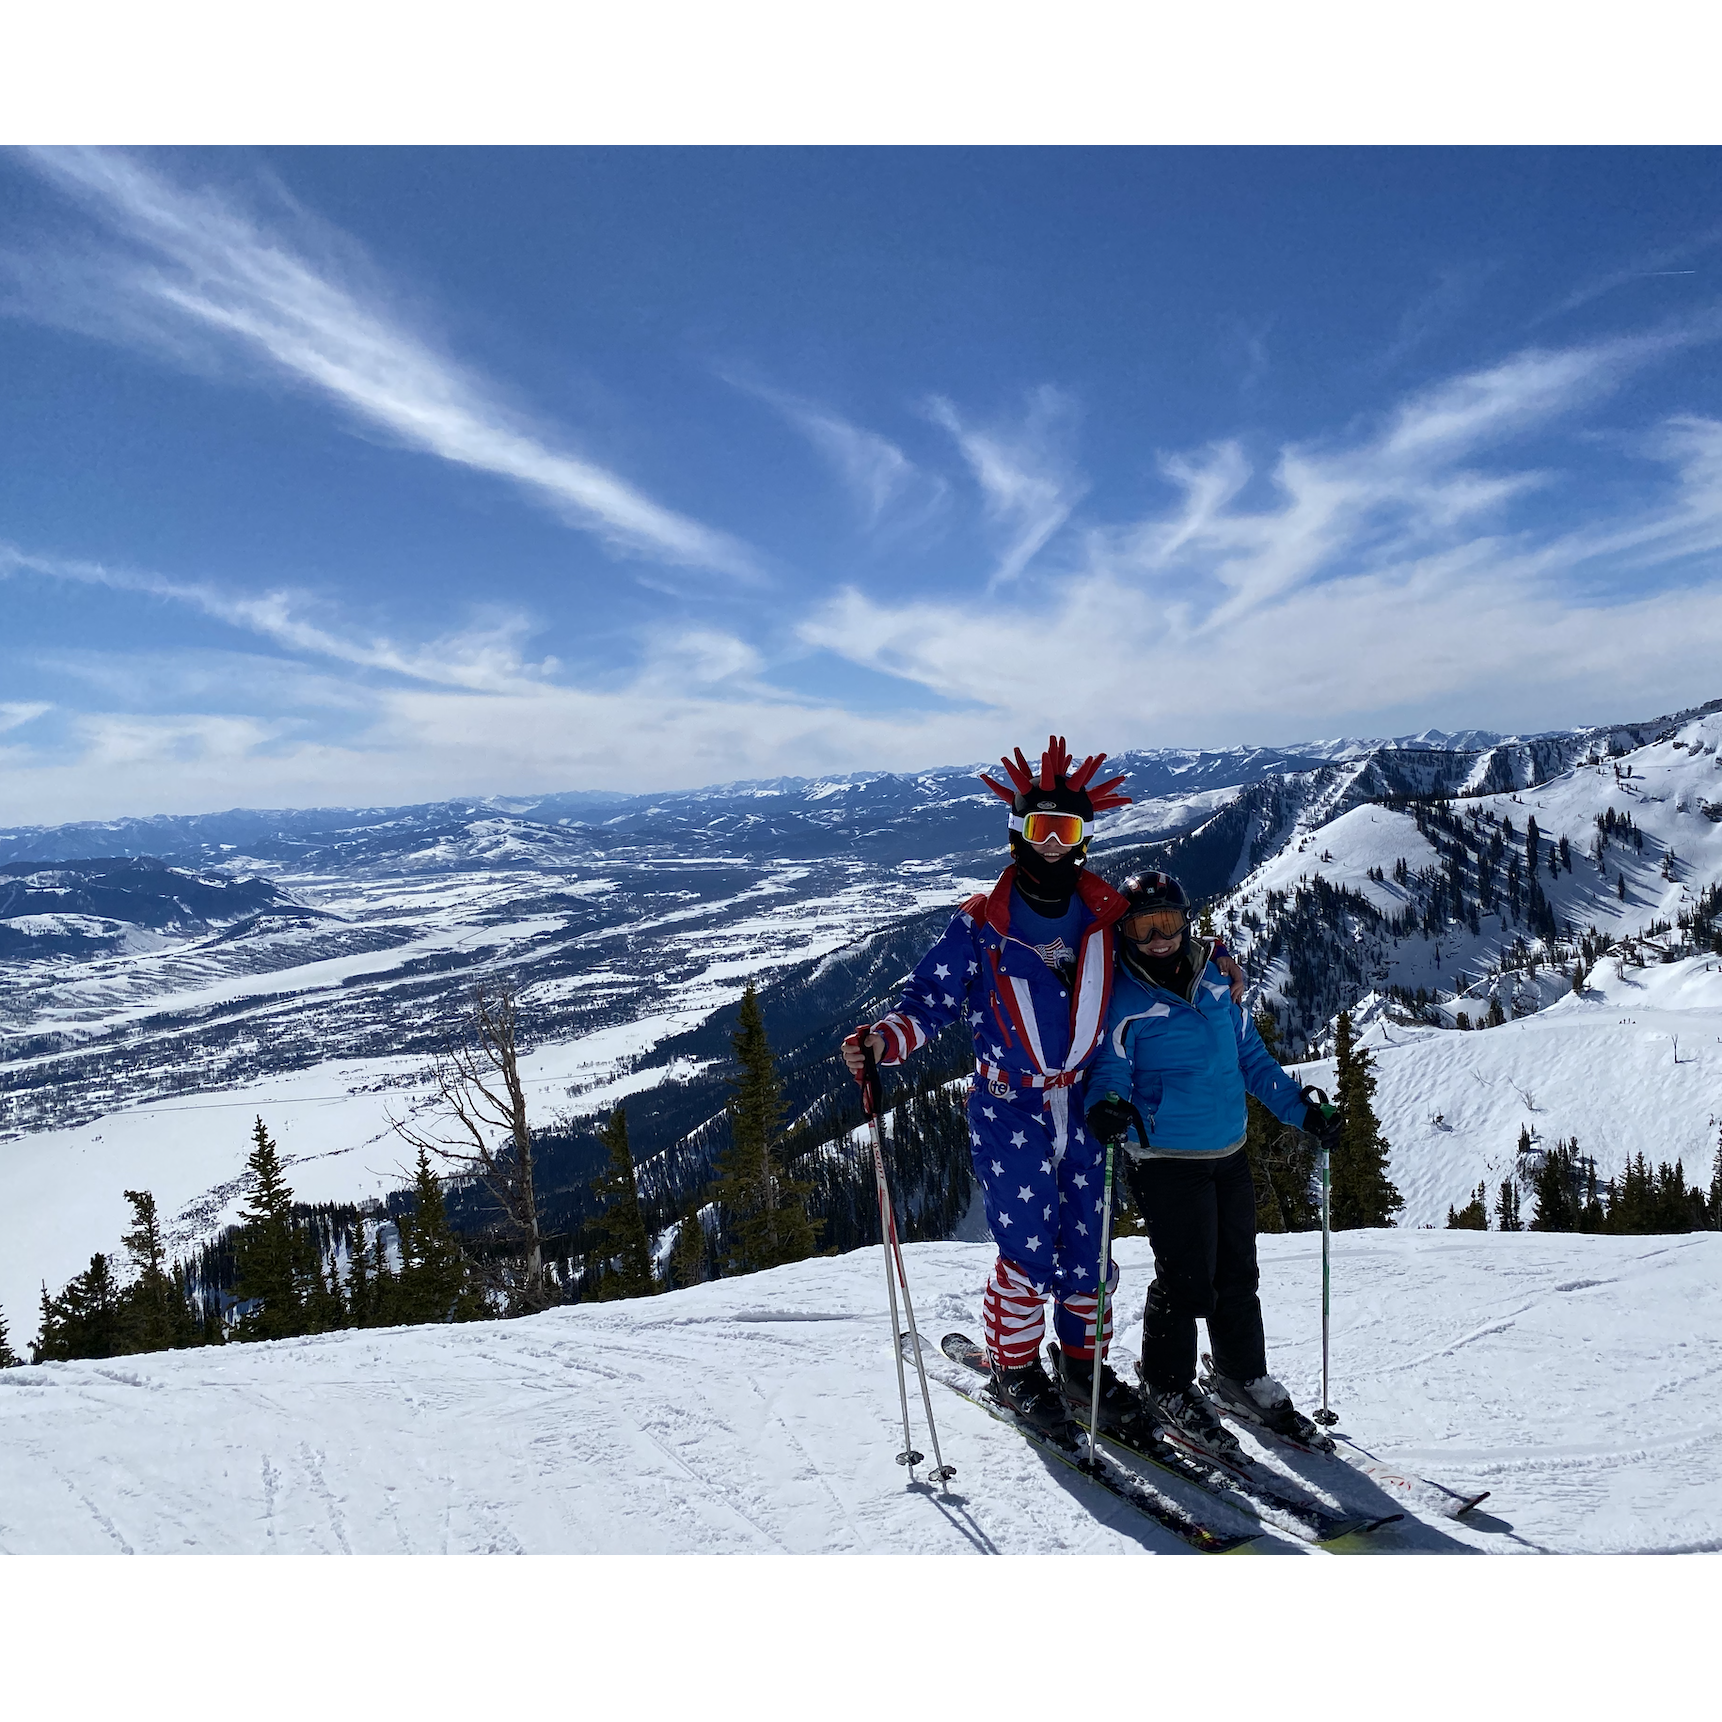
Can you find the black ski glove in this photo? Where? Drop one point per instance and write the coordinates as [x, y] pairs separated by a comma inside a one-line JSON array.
[[1112, 1119], [1321, 1120]]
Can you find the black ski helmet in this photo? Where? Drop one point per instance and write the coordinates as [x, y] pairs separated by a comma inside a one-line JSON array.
[[1060, 786], [1153, 891]]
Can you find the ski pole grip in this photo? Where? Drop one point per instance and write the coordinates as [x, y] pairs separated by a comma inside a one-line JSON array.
[[872, 1094]]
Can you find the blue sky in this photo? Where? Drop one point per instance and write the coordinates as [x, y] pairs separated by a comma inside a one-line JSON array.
[[367, 476]]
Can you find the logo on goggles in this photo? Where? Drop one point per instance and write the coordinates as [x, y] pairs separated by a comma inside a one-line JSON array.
[[1069, 828]]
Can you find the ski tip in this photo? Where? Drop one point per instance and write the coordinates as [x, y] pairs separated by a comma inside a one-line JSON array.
[[1357, 1528]]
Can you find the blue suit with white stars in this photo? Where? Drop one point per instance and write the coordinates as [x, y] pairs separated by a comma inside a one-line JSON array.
[[1035, 1028]]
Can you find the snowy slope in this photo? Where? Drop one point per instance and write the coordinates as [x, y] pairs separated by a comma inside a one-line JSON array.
[[1600, 1066], [1672, 790], [1578, 1378]]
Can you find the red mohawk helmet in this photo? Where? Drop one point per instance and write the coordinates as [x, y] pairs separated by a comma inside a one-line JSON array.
[[1056, 788]]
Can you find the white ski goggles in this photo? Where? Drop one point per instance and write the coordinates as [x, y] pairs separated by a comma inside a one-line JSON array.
[[1069, 828]]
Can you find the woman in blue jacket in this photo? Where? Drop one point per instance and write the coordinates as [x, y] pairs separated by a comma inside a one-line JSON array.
[[1169, 1081]]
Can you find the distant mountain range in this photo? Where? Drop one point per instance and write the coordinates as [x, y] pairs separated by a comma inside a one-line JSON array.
[[880, 816]]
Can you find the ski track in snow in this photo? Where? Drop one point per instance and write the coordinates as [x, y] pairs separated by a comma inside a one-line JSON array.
[[1578, 1378]]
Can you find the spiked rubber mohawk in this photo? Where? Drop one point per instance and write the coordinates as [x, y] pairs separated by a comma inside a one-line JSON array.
[[1055, 773]]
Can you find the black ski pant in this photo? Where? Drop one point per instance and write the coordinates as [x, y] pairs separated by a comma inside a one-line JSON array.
[[1201, 1217]]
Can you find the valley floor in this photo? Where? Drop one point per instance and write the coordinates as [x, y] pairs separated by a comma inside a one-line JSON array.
[[1578, 1378]]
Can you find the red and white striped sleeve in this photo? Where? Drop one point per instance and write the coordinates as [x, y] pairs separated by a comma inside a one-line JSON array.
[[935, 994]]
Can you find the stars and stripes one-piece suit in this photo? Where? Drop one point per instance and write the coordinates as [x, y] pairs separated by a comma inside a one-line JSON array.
[[1037, 1014]]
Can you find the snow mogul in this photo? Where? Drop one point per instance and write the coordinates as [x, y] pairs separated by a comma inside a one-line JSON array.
[[1178, 1055], [1029, 967]]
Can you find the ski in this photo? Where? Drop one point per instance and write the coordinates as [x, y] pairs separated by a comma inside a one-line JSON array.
[[1244, 1484], [1118, 1483], [1420, 1492]]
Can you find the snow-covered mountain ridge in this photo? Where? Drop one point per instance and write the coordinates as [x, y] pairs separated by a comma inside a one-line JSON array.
[[137, 1059], [1571, 1376], [1387, 897]]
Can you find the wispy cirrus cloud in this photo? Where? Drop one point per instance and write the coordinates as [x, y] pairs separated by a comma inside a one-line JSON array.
[[484, 656], [178, 266], [14, 714], [1026, 473], [1432, 313], [1386, 571], [884, 484]]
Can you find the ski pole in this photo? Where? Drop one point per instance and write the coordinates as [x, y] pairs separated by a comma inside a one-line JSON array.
[[1100, 1309], [872, 1104], [1324, 1415]]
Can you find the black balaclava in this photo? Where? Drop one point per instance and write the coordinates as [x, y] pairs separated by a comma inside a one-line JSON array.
[[1048, 886]]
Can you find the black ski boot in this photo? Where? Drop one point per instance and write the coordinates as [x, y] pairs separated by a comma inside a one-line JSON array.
[[1030, 1394], [1186, 1412], [1122, 1413], [1265, 1403]]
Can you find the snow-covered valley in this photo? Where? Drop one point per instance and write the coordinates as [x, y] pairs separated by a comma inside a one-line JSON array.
[[1579, 1379]]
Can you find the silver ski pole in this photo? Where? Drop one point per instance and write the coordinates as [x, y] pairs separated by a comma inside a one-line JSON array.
[[871, 1098], [941, 1473], [1100, 1309], [1324, 1415]]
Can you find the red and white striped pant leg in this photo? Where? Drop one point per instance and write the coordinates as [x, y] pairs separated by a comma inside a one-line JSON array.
[[1013, 1316], [1073, 1322]]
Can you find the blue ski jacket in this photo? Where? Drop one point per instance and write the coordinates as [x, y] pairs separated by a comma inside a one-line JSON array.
[[1187, 1063]]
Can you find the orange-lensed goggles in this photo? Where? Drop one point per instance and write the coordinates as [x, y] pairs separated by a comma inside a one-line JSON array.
[[1144, 925], [1068, 828]]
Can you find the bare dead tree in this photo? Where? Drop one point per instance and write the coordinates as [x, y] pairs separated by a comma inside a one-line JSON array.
[[479, 1122]]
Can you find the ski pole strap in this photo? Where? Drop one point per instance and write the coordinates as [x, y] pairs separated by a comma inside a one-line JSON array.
[[872, 1092]]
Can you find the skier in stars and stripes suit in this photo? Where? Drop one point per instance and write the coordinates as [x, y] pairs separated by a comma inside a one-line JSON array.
[[1028, 967]]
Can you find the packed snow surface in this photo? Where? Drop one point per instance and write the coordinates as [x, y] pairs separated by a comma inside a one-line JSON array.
[[1575, 1377]]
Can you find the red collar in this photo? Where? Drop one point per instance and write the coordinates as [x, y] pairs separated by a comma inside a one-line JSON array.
[[1099, 898]]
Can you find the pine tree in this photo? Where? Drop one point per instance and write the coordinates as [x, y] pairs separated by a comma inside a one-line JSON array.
[[619, 1238], [1632, 1201], [385, 1287], [156, 1316], [435, 1283], [688, 1257], [1362, 1194], [1282, 1162], [766, 1212], [1593, 1217], [1557, 1200], [271, 1257], [1715, 1202], [361, 1289], [1507, 1208], [325, 1308], [1474, 1216], [84, 1320], [1497, 1016], [9, 1359]]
